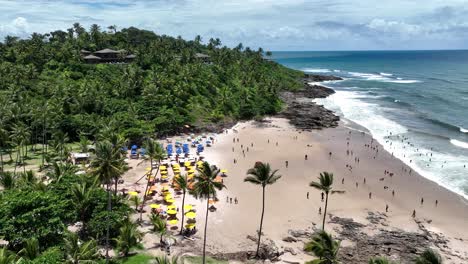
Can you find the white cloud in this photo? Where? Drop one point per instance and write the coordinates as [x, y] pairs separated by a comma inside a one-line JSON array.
[[273, 24]]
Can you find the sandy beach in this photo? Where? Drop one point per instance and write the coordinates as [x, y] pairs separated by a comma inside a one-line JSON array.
[[287, 206]]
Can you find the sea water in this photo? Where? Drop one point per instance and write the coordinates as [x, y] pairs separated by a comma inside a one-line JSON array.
[[415, 103]]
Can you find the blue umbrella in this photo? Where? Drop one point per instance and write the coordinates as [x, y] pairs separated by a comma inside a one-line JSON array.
[[134, 147]]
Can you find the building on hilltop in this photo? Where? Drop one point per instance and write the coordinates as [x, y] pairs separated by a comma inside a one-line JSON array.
[[203, 57], [107, 56]]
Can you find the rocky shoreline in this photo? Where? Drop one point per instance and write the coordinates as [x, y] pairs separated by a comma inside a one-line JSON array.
[[305, 114]]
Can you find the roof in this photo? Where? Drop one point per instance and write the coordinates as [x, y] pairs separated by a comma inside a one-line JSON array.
[[201, 55], [106, 51], [131, 56], [91, 57]]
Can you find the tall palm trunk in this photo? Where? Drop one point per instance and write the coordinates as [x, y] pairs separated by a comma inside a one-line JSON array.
[[43, 142], [325, 211], [146, 189], [183, 214], [1, 159], [261, 223], [109, 209], [206, 225]]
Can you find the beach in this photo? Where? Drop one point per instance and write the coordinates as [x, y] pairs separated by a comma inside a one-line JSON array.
[[288, 210]]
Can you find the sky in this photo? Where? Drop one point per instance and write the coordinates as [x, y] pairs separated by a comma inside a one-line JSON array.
[[271, 24]]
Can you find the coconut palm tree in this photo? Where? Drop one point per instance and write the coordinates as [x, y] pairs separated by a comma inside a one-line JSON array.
[[8, 180], [159, 226], [60, 170], [325, 185], [166, 260], [380, 260], [136, 201], [7, 257], [262, 174], [324, 247], [182, 182], [206, 187], [429, 256], [84, 143], [31, 249], [82, 198], [154, 151], [77, 252], [129, 237], [105, 166]]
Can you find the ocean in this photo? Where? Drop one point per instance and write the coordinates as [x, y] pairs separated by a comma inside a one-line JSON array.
[[415, 103]]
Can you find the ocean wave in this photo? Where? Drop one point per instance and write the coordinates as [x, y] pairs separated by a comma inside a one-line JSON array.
[[463, 130], [382, 77], [402, 81], [336, 70], [459, 143], [442, 123], [316, 70]]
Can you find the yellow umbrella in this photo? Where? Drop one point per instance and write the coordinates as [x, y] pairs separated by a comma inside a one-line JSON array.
[[155, 206], [171, 212], [188, 207], [171, 207], [192, 170], [200, 162], [191, 215], [224, 171], [162, 167], [163, 172], [164, 177], [173, 222], [189, 226], [133, 193], [149, 192], [170, 201], [148, 169], [187, 163]]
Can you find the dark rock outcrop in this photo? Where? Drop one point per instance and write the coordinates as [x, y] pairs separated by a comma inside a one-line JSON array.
[[320, 78], [305, 114]]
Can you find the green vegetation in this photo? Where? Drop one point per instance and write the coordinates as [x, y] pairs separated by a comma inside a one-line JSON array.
[[199, 260], [138, 259]]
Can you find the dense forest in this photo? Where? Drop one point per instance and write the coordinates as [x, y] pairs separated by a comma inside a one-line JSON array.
[[47, 89]]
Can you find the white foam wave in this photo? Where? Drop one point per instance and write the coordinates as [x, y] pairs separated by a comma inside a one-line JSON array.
[[336, 70], [402, 81], [316, 70], [459, 143], [463, 130], [382, 77], [443, 168]]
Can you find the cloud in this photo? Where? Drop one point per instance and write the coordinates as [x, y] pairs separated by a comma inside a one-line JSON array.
[[272, 24]]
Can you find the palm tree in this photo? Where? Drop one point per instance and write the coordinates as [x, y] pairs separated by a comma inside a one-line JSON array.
[[166, 260], [325, 185], [182, 182], [84, 142], [380, 260], [28, 178], [7, 257], [7, 180], [206, 187], [82, 198], [136, 201], [429, 256], [60, 170], [3, 144], [154, 151], [31, 249], [128, 238], [77, 252], [159, 226], [261, 174], [107, 164], [324, 247]]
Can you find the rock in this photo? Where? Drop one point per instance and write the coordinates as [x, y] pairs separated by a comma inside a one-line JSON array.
[[320, 78], [290, 250], [269, 250], [299, 233], [289, 239]]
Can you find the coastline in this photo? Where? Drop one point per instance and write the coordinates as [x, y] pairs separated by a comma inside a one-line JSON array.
[[360, 222]]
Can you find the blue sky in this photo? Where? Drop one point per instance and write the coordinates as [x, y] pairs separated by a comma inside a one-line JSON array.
[[272, 24]]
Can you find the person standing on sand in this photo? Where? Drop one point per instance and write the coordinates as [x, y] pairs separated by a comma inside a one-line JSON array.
[[320, 210], [235, 200], [287, 163], [370, 195], [307, 195], [436, 203], [342, 181], [230, 200], [393, 193], [422, 201], [414, 214], [386, 208], [276, 143], [322, 196], [305, 157]]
